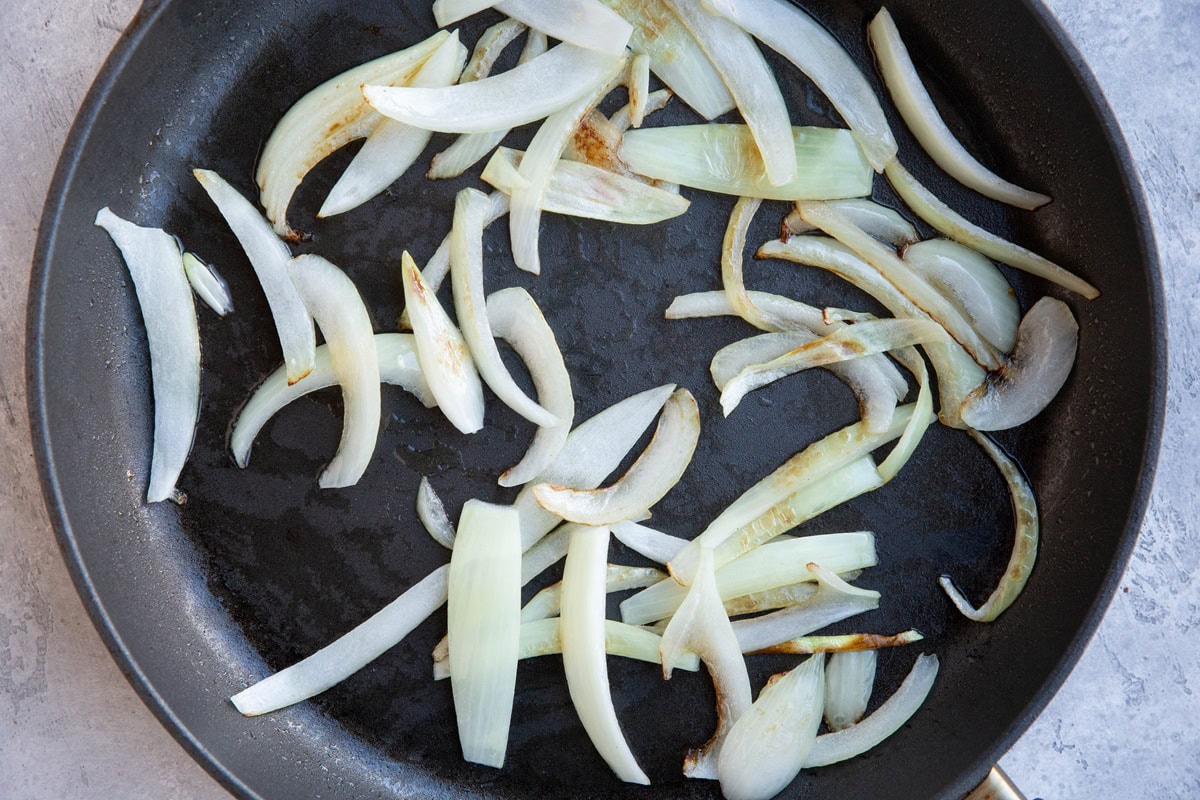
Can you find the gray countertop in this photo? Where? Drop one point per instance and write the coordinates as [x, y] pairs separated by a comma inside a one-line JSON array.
[[1123, 725]]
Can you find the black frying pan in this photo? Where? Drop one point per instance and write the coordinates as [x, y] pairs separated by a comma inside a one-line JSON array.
[[260, 568]]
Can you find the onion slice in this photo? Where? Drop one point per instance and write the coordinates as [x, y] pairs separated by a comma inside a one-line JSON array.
[[846, 643], [447, 12], [770, 599], [622, 118], [269, 257], [657, 469], [330, 296], [523, 94], [884, 223], [701, 626], [618, 578], [516, 318], [349, 653], [398, 366], [173, 336], [584, 23], [796, 36], [849, 680], [769, 743], [1025, 540], [950, 224], [438, 266], [208, 285], [922, 117], [732, 278], [490, 45], [433, 516], [442, 352], [484, 628], [639, 88], [887, 719], [647, 542], [834, 601]]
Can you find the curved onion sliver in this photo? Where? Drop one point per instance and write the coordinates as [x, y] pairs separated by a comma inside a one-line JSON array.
[[647, 542], [622, 118], [884, 223], [618, 578], [173, 335], [845, 643], [208, 285], [433, 516], [584, 23], [447, 12], [438, 267], [849, 681], [639, 88]]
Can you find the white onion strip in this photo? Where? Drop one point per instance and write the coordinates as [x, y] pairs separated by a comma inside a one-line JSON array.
[[432, 515], [581, 628], [834, 601], [447, 12], [639, 88], [523, 94], [922, 117], [732, 278], [647, 542], [516, 318], [849, 681], [618, 578], [349, 653], [438, 267], [490, 45], [750, 81], [920, 420], [173, 336], [657, 469], [770, 599], [584, 23], [269, 257], [208, 285], [622, 118], [845, 643], [884, 223], [1025, 540]]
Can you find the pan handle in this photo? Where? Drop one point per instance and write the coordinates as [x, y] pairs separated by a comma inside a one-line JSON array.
[[996, 786]]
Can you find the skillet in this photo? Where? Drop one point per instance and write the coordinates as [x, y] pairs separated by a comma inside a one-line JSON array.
[[260, 567]]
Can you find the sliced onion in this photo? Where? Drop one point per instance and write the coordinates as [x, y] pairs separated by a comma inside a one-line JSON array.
[[724, 159], [397, 355], [847, 643], [766, 567], [483, 620], [391, 146], [523, 94], [787, 30], [922, 117], [731, 266], [750, 81], [971, 283], [1025, 541], [639, 88], [793, 313], [596, 141], [770, 599], [1047, 340], [884, 223], [208, 285], [325, 120], [618, 578], [583, 23], [887, 719], [269, 257], [470, 305], [443, 354], [950, 224], [769, 743], [581, 629], [438, 267], [647, 542], [537, 165], [849, 680], [490, 45], [447, 12], [920, 420], [622, 118], [701, 626], [544, 553], [675, 56], [657, 469], [433, 516], [349, 653], [173, 336]]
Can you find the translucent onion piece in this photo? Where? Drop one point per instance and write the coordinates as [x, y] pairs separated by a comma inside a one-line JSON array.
[[583, 23], [787, 30], [639, 88], [618, 578], [325, 120], [537, 165], [391, 146], [765, 567], [523, 94], [1047, 340], [815, 461], [596, 141], [723, 159], [581, 629], [920, 420], [701, 626], [887, 719], [675, 56], [442, 352], [516, 318], [1025, 540], [438, 268], [173, 335], [884, 223], [657, 469], [716, 304], [208, 285], [907, 282], [269, 257], [349, 653], [732, 279], [483, 623], [470, 147], [397, 355], [770, 599], [544, 553], [750, 81], [849, 680], [447, 12], [950, 224], [847, 643], [489, 47], [470, 305], [647, 542], [622, 118], [583, 190], [834, 601], [769, 743], [433, 516], [922, 117], [971, 283], [593, 450]]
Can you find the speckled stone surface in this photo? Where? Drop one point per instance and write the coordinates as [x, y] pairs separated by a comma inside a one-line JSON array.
[[1124, 724]]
